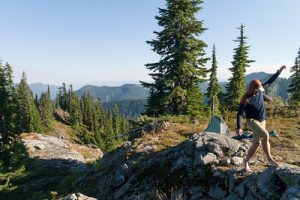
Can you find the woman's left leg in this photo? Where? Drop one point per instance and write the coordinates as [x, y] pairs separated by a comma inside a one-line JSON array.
[[266, 143], [252, 150]]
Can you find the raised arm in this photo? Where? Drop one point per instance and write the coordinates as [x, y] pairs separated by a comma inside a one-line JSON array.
[[268, 83]]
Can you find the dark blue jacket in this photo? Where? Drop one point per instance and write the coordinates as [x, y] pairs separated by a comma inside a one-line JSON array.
[[254, 106]]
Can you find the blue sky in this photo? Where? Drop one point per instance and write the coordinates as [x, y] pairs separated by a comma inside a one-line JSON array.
[[103, 41]]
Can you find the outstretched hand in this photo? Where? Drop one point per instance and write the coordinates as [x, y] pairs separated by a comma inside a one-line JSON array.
[[282, 68]]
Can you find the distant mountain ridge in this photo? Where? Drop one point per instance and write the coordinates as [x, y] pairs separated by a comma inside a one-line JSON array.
[[135, 91], [38, 88], [124, 92]]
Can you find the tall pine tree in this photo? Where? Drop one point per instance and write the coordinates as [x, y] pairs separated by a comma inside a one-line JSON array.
[[214, 88], [236, 86], [176, 76], [99, 126], [27, 114], [87, 107], [11, 151], [116, 121], [109, 131], [294, 86], [46, 111], [74, 109], [62, 97]]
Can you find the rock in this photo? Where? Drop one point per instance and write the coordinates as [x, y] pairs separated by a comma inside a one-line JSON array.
[[236, 160], [198, 157], [230, 182], [226, 143], [233, 196], [217, 174], [216, 192], [152, 128], [62, 116], [292, 193], [198, 142], [196, 193], [148, 149], [243, 148], [241, 189], [225, 162], [54, 148], [210, 158], [178, 195], [120, 176], [77, 196], [215, 149], [250, 196], [39, 147], [269, 185], [289, 174], [181, 163], [121, 191], [239, 153], [253, 161], [185, 171], [59, 154]]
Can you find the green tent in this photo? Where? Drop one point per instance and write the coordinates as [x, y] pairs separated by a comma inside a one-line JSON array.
[[217, 125]]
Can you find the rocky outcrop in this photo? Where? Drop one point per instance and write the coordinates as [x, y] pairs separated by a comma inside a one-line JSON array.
[[59, 154], [207, 166], [62, 116], [77, 196]]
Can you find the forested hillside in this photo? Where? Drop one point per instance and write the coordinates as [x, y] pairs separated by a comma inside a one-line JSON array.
[[124, 92]]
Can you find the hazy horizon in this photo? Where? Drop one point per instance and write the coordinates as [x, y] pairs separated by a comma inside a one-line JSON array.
[[77, 86]]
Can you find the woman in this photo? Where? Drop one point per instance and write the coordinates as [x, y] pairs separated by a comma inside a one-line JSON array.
[[252, 103]]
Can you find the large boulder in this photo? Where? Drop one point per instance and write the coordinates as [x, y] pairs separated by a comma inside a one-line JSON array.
[[77, 196], [147, 175], [289, 174], [292, 193], [57, 153]]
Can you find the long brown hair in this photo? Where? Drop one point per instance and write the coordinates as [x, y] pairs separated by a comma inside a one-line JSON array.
[[254, 84]]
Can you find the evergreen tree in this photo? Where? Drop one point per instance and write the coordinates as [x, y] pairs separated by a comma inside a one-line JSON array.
[[236, 86], [99, 115], [124, 125], [214, 88], [46, 111], [36, 101], [98, 121], [109, 131], [176, 76], [74, 109], [11, 153], [116, 121], [294, 86], [10, 98], [5, 136], [87, 107], [62, 97], [27, 114], [195, 105]]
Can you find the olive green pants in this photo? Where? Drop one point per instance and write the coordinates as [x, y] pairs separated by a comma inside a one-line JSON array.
[[258, 128]]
